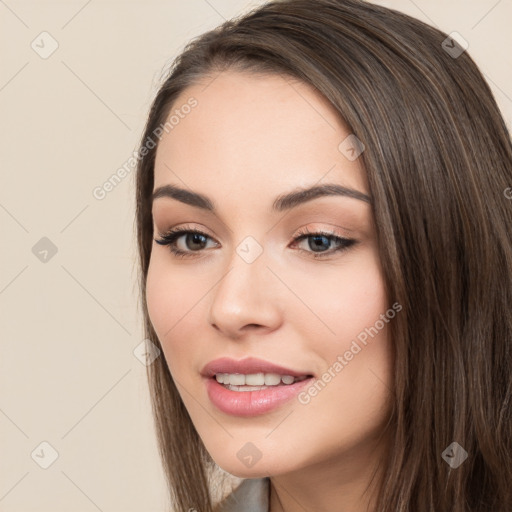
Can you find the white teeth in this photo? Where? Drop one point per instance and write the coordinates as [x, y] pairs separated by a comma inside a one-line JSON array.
[[235, 379], [255, 379], [272, 379]]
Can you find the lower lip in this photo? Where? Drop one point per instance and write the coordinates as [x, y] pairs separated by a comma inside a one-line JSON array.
[[252, 403]]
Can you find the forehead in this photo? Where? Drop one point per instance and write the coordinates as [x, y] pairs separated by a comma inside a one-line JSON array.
[[254, 132]]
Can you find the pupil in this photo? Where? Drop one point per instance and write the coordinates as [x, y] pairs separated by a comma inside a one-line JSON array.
[[317, 240], [196, 238]]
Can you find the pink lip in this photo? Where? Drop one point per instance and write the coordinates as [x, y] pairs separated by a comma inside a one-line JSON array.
[[249, 403]]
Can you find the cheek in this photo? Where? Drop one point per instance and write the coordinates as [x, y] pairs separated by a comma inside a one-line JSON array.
[[352, 339], [175, 310], [167, 298], [345, 301]]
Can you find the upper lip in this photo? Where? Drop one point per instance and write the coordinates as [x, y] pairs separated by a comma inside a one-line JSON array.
[[247, 366]]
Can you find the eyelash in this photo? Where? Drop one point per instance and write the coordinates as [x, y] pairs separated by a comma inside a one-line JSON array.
[[173, 235]]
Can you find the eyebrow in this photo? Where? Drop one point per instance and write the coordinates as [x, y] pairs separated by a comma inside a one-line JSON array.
[[281, 203]]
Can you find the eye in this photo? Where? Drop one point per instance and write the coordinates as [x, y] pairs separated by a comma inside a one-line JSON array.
[[320, 240], [193, 239]]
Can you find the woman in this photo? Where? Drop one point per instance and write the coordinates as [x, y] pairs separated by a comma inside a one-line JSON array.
[[325, 245]]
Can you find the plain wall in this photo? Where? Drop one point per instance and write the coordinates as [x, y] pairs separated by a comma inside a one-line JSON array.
[[69, 321]]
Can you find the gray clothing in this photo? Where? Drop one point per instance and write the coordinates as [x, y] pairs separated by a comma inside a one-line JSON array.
[[252, 495]]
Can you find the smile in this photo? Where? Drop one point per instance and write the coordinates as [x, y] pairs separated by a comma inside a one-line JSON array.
[[251, 386]]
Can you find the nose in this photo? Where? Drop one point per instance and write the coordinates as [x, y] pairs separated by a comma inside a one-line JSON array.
[[246, 299]]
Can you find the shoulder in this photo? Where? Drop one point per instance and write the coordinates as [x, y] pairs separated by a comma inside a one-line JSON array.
[[252, 495]]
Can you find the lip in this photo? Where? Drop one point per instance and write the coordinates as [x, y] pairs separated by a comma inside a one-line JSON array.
[[250, 403]]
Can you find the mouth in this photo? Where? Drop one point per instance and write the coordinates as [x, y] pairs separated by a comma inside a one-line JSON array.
[[249, 387]]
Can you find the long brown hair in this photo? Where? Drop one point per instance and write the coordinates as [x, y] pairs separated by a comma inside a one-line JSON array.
[[438, 157]]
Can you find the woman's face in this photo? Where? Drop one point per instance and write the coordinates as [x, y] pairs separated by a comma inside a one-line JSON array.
[[248, 287]]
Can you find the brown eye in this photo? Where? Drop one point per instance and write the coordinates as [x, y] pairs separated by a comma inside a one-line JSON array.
[[194, 241]]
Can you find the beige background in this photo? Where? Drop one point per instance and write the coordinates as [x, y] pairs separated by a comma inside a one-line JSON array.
[[70, 323]]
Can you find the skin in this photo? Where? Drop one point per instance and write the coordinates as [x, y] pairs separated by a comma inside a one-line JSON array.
[[250, 139]]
